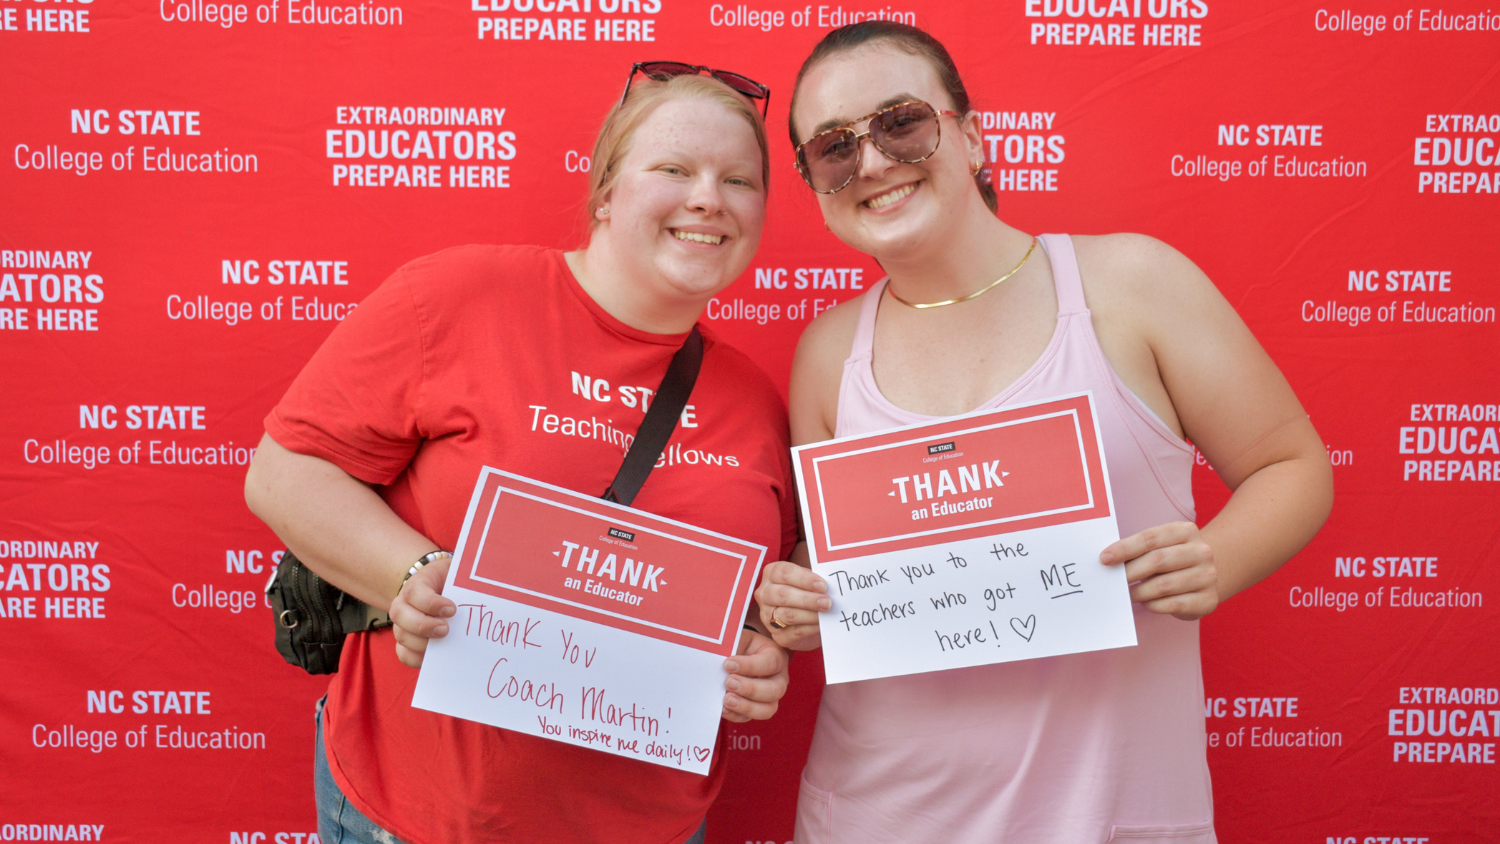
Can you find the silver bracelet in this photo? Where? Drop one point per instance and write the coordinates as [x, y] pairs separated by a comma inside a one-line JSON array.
[[429, 557]]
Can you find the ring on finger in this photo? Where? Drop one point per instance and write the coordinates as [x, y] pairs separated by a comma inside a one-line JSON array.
[[776, 622]]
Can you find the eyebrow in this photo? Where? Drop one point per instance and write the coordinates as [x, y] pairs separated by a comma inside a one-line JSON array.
[[836, 122]]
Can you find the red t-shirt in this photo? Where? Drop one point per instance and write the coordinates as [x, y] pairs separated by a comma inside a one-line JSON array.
[[485, 355]]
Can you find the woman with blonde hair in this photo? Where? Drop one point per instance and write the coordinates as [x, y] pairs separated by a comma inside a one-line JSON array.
[[465, 359]]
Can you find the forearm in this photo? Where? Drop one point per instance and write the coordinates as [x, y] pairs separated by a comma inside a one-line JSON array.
[[333, 522], [1271, 516]]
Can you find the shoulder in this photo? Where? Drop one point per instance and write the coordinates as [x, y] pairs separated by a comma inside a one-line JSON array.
[[476, 269], [818, 370], [1139, 279], [452, 297], [470, 266], [830, 336], [1136, 265]]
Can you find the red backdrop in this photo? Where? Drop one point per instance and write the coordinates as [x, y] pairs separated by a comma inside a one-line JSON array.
[[195, 192]]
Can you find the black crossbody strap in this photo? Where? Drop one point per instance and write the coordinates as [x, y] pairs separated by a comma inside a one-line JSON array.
[[661, 420]]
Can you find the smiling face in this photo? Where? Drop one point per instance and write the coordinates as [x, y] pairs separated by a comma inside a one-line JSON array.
[[890, 210], [684, 216]]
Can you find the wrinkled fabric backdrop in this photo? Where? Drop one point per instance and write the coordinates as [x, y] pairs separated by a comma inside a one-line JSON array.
[[196, 192]]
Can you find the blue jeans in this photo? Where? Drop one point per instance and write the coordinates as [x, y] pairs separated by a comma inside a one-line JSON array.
[[340, 823]]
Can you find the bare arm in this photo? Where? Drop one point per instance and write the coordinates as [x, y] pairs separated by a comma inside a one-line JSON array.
[[333, 522], [343, 531], [817, 370], [1293, 492], [1234, 404], [789, 592]]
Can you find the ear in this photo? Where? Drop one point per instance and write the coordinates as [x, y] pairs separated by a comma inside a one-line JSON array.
[[973, 132]]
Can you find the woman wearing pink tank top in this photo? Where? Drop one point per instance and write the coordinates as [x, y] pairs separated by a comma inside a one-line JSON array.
[[1093, 747]]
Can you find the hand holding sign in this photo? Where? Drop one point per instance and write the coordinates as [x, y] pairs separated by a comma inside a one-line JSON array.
[[757, 679], [420, 612], [964, 542], [790, 597], [1172, 569]]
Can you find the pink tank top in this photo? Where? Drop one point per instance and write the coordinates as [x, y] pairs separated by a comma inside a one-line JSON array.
[[1094, 747]]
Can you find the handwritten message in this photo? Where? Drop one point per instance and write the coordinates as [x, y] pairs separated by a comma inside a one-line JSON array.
[[965, 542], [589, 623]]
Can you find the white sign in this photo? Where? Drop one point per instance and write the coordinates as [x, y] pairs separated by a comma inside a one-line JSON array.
[[589, 623], [964, 542]]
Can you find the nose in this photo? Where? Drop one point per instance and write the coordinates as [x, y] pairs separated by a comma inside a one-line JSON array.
[[706, 196], [872, 162]]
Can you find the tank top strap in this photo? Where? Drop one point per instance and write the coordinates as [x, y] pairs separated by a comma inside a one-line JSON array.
[[1065, 273], [864, 330]]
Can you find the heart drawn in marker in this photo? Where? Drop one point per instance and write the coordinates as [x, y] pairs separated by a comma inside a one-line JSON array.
[[1025, 629], [701, 753]]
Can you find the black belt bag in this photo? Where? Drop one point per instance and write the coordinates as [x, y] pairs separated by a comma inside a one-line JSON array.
[[312, 616]]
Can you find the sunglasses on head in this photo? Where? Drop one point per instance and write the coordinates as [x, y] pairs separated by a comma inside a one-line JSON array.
[[662, 71], [908, 132]]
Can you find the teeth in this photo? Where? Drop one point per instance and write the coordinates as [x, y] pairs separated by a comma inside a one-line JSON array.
[[887, 198], [698, 237]]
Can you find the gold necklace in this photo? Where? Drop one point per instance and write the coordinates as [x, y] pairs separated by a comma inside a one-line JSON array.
[[980, 292]]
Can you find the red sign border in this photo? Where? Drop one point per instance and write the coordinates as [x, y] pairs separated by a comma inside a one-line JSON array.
[[805, 460], [492, 483]]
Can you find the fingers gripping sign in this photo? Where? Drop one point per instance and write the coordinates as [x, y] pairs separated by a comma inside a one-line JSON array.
[[1171, 569], [790, 597], [420, 612], [757, 679]]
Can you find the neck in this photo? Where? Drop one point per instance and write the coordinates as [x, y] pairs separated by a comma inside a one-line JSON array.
[[638, 303], [978, 249]]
